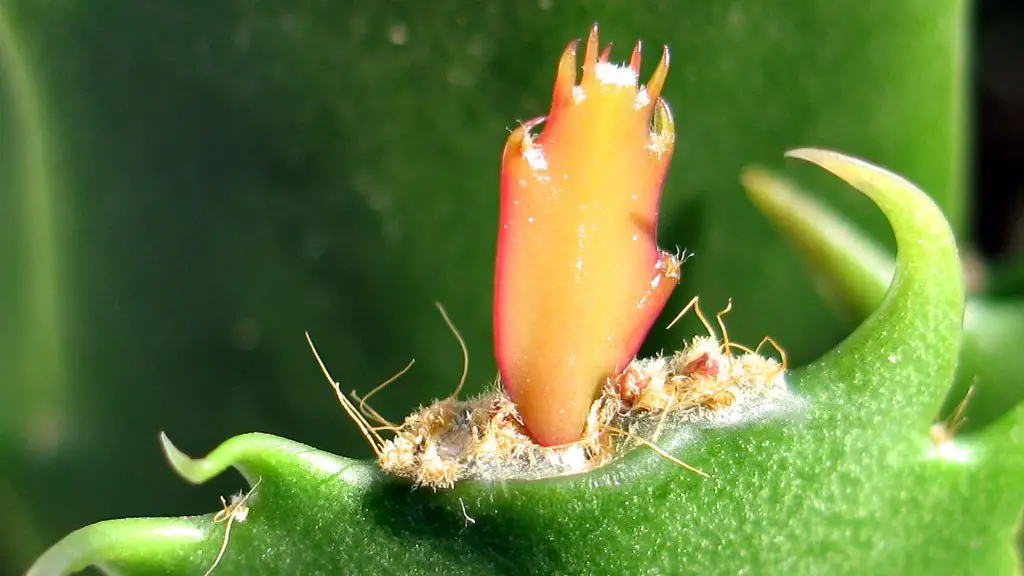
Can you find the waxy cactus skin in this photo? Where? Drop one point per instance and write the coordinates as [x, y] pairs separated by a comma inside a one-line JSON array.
[[579, 278]]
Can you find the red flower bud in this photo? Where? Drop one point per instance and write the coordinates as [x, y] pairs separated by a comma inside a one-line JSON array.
[[580, 278]]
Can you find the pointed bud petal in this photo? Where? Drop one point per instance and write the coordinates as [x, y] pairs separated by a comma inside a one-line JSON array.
[[565, 81], [590, 54], [634, 59], [657, 80]]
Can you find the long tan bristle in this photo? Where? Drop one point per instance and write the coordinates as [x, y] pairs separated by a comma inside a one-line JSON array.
[[462, 345], [362, 401], [721, 325], [228, 514], [661, 421], [658, 450], [782, 353], [741, 347], [369, 412], [956, 420], [695, 304], [364, 427]]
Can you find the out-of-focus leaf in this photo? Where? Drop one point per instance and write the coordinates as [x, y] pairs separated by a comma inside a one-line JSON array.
[[33, 396]]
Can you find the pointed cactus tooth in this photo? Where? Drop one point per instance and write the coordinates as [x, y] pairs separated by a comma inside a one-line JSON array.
[[579, 277], [606, 53], [634, 58]]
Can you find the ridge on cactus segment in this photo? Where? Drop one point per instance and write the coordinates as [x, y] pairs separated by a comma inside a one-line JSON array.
[[579, 277]]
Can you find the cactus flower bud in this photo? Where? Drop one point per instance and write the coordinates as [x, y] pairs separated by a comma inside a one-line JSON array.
[[579, 278]]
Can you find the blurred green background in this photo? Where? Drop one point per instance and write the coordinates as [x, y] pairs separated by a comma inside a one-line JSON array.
[[185, 187]]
